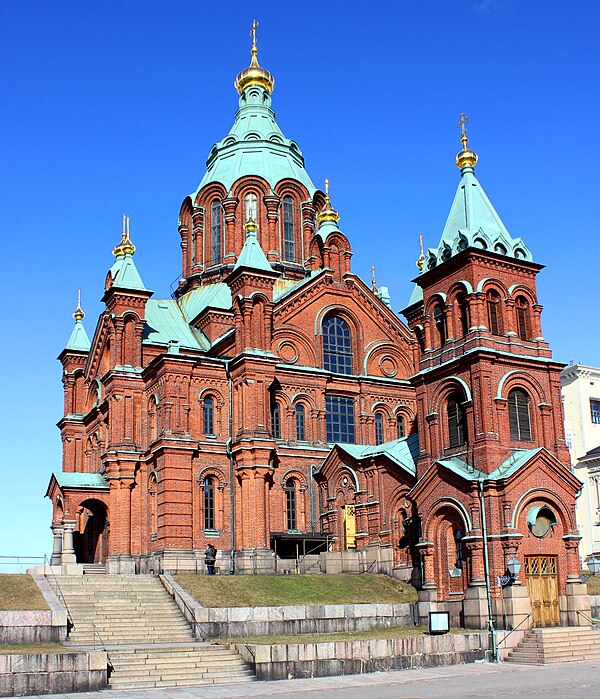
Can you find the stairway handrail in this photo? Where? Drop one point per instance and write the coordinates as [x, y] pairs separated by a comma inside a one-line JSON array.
[[593, 622], [513, 630], [300, 559], [109, 665], [70, 622]]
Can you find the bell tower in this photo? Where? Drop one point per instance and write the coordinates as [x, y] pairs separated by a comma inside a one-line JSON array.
[[476, 315]]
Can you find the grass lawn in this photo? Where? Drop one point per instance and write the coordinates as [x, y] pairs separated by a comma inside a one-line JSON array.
[[593, 585], [20, 592], [277, 590], [31, 648], [391, 632]]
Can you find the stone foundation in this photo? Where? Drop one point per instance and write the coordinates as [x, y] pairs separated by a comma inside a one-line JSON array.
[[52, 673], [277, 662]]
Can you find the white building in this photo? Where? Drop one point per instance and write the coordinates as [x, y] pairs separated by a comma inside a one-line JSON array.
[[581, 401]]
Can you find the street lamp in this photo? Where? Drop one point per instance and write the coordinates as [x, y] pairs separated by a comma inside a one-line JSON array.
[[593, 564], [513, 566]]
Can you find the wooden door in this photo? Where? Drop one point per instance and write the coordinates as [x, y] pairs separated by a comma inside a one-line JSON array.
[[350, 526], [542, 585]]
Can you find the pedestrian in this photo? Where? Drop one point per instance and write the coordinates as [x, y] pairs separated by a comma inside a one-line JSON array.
[[211, 558]]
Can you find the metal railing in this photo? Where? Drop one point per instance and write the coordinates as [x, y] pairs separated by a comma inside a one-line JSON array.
[[48, 567], [19, 564], [513, 630], [592, 620]]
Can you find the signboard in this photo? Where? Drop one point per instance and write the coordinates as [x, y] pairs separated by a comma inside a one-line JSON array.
[[439, 622]]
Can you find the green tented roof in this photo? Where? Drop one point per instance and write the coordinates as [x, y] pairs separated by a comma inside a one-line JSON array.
[[125, 275], [81, 480], [252, 255], [255, 145], [217, 295], [79, 340], [403, 452], [473, 222]]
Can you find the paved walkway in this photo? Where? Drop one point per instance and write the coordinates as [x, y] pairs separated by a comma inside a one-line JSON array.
[[456, 682]]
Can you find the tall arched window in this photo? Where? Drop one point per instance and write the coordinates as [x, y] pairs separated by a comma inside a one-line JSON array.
[[493, 309], [457, 420], [522, 311], [337, 346], [463, 313], [215, 231], [379, 428], [289, 252], [519, 418], [401, 426], [209, 503], [275, 420], [300, 423], [459, 548], [290, 500], [208, 408], [251, 207], [440, 323]]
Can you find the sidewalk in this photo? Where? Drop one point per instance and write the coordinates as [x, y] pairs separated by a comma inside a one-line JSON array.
[[455, 682]]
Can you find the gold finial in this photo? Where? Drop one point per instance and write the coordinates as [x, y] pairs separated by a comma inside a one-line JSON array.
[[79, 314], [254, 74], [421, 261], [466, 157], [373, 282], [327, 213], [125, 247]]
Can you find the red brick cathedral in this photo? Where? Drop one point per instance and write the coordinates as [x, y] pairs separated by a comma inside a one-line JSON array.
[[278, 408]]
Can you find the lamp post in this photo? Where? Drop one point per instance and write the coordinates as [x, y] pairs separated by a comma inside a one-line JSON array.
[[513, 566], [593, 564]]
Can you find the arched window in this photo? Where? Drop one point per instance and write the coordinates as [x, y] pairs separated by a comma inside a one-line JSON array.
[[463, 314], [440, 323], [251, 207], [289, 252], [379, 428], [522, 310], [275, 420], [457, 420], [337, 347], [209, 503], [300, 424], [208, 407], [215, 231], [518, 415], [401, 426], [493, 309], [290, 500]]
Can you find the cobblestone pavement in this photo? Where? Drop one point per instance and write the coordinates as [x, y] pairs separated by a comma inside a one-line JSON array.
[[456, 682]]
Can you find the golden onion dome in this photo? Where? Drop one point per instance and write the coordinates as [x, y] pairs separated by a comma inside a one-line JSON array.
[[254, 74], [125, 247], [79, 314], [466, 157], [327, 213]]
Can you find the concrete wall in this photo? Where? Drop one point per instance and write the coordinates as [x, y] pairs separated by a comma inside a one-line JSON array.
[[595, 606], [228, 622], [275, 662], [52, 673]]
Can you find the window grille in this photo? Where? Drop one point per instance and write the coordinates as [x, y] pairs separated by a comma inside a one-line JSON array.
[[522, 318], [339, 419], [216, 232], [457, 423], [300, 427], [276, 421], [493, 304], [290, 496], [379, 428], [209, 503], [401, 427], [289, 252], [337, 347], [518, 415], [209, 416]]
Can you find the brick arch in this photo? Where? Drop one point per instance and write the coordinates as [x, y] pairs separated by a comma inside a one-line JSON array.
[[521, 379], [491, 283], [383, 350], [443, 390], [462, 285], [296, 475], [304, 345], [550, 497], [436, 299], [356, 331], [213, 190], [214, 471], [517, 290], [211, 392], [291, 187], [444, 516]]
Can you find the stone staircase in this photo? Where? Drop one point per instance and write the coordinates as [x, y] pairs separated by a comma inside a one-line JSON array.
[[557, 645], [149, 642]]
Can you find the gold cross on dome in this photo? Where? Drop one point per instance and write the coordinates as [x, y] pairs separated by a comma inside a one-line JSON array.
[[253, 32], [326, 186], [462, 124]]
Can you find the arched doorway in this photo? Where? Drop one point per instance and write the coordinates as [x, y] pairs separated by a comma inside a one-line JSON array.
[[90, 540], [451, 563]]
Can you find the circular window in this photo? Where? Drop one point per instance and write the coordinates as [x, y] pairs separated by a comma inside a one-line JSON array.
[[541, 520]]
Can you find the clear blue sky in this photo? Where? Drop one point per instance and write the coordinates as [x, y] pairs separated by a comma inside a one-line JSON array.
[[112, 107]]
